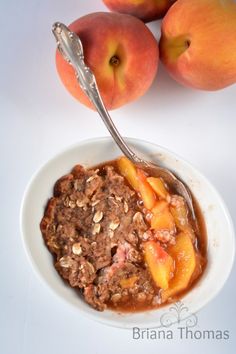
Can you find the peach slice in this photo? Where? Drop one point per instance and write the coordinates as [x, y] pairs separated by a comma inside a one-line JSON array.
[[129, 282], [160, 206], [158, 186], [179, 212], [128, 170], [147, 193], [162, 219], [160, 263], [184, 256]]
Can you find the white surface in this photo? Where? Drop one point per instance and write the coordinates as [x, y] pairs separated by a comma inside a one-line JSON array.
[[38, 118], [220, 232]]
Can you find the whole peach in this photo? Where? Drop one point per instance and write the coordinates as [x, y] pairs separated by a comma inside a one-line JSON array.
[[198, 43], [122, 53], [146, 10]]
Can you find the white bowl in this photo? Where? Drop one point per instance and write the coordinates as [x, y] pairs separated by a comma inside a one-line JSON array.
[[219, 226]]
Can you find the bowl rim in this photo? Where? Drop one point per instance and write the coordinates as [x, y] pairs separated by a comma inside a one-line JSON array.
[[95, 316]]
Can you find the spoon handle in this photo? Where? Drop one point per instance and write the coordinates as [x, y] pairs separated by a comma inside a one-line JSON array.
[[71, 48]]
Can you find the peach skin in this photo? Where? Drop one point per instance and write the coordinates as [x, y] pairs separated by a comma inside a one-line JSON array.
[[146, 10], [124, 63], [198, 43]]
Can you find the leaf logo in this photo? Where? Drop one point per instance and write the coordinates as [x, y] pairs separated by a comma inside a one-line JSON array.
[[178, 313]]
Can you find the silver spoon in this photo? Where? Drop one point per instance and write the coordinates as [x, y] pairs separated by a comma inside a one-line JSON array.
[[70, 46]]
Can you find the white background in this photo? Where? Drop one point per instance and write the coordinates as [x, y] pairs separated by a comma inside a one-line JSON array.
[[38, 119]]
